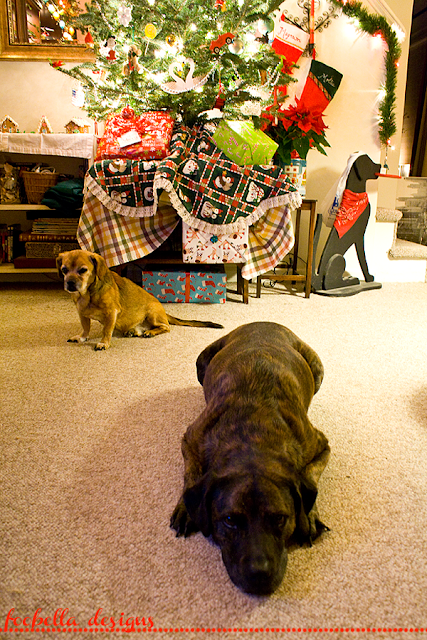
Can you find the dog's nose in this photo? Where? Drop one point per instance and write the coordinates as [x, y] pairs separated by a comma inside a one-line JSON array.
[[259, 565], [71, 286]]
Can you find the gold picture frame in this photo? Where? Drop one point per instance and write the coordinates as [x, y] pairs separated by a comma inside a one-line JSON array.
[[24, 51]]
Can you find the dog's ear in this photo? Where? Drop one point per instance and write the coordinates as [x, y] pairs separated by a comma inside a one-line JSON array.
[[357, 170], [59, 264], [304, 494], [99, 264], [197, 500]]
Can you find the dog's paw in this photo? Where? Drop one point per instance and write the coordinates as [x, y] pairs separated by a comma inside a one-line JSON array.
[[317, 527], [77, 339], [181, 521], [101, 346], [133, 333]]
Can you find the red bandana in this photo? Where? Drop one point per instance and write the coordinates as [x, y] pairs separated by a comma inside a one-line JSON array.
[[352, 206]]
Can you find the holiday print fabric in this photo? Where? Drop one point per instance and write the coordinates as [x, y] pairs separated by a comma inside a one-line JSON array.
[[202, 247]]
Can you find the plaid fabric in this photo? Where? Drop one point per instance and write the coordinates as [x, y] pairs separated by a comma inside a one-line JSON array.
[[120, 239], [270, 239]]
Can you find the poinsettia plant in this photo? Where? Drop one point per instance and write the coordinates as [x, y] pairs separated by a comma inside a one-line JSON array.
[[296, 129]]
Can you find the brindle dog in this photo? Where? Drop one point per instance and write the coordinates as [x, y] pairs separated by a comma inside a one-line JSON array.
[[252, 458]]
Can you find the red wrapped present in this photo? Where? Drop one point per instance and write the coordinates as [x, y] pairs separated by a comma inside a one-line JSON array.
[[145, 137]]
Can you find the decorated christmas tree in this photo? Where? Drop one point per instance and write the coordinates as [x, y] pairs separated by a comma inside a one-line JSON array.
[[184, 56]]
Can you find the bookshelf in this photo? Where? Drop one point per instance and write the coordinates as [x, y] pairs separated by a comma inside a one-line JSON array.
[[64, 151]]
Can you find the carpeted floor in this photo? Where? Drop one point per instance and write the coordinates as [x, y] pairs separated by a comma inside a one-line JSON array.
[[91, 468]]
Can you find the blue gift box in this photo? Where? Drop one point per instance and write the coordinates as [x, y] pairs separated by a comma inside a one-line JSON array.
[[177, 285]]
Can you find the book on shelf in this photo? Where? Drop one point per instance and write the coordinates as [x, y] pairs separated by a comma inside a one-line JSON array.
[[11, 246], [48, 249], [55, 226], [22, 262], [3, 242], [29, 236]]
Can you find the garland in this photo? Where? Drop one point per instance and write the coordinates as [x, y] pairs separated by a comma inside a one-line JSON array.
[[375, 24]]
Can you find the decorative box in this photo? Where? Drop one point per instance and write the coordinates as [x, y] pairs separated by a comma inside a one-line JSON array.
[[244, 144], [144, 137], [208, 248], [177, 285]]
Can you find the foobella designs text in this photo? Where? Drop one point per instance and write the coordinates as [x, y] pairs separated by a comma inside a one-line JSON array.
[[62, 621]]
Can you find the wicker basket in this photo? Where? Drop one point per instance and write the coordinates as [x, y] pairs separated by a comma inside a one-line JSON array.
[[36, 184]]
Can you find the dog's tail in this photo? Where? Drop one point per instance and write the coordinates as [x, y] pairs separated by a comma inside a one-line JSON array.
[[193, 323]]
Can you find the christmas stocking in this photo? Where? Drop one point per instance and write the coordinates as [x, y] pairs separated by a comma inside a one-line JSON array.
[[289, 41], [321, 85]]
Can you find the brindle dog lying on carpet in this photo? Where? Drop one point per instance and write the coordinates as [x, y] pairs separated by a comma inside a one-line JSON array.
[[252, 458]]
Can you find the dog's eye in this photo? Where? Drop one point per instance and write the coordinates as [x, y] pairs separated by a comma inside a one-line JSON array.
[[64, 270], [82, 271], [279, 520], [231, 522]]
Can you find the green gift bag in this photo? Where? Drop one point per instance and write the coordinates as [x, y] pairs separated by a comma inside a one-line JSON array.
[[244, 144]]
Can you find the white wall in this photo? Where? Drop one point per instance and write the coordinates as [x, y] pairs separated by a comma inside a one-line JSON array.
[[35, 89], [31, 90]]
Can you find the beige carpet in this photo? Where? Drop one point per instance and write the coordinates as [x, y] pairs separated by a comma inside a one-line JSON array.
[[91, 468]]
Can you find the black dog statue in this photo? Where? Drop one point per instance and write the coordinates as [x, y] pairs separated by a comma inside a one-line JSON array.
[[349, 229]]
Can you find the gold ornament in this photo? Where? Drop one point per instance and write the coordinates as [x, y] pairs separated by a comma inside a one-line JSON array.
[[150, 31], [170, 40]]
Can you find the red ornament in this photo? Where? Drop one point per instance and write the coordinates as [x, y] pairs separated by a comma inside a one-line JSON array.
[[89, 40]]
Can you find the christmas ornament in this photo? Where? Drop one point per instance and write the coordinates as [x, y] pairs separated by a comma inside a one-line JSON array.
[[132, 62], [56, 64], [220, 4], [236, 46], [265, 25], [110, 46], [89, 40], [170, 40], [124, 14], [225, 38], [180, 85], [77, 97], [150, 31]]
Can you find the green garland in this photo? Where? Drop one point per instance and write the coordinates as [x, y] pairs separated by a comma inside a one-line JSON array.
[[373, 24]]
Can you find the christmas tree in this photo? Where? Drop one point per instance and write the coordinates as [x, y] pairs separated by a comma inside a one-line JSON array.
[[184, 56]]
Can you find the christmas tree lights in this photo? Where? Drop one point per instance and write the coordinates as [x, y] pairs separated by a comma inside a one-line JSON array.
[[182, 56]]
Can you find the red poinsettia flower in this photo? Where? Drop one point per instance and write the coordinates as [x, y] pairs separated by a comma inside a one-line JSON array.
[[56, 64], [302, 117]]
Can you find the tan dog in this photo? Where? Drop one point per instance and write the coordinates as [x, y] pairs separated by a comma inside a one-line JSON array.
[[116, 302]]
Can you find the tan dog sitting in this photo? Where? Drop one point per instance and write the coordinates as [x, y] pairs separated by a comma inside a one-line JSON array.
[[116, 302]]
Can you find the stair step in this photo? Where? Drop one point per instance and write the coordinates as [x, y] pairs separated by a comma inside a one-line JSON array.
[[388, 215], [405, 250]]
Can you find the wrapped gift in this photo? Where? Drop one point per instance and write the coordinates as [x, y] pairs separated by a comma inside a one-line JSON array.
[[145, 137], [208, 248], [244, 144], [178, 285]]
